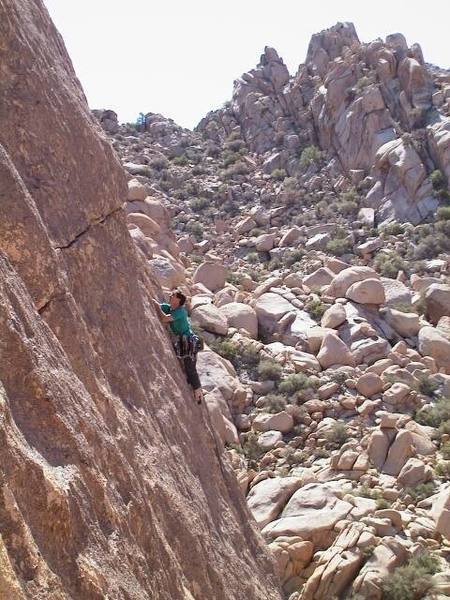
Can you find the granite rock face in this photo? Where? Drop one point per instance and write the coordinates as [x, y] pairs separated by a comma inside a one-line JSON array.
[[111, 484]]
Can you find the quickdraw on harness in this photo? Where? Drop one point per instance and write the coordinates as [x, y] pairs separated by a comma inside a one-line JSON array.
[[187, 345]]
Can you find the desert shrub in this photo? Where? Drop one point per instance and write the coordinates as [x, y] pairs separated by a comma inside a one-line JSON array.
[[388, 265], [252, 450], [347, 207], [443, 229], [252, 258], [438, 180], [196, 230], [180, 161], [238, 168], [393, 228], [229, 158], [310, 154], [293, 256], [442, 469], [443, 213], [226, 348], [199, 204], [421, 491], [435, 415], [427, 385], [337, 435], [274, 403], [339, 246], [278, 174], [249, 358], [295, 383], [413, 580], [159, 163], [234, 278], [269, 369], [432, 245], [274, 264], [316, 308], [445, 450], [290, 184]]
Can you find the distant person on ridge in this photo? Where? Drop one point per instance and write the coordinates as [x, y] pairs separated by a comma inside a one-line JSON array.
[[186, 343]]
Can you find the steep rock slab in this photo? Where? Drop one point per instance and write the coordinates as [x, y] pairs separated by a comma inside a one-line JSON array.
[[95, 415]]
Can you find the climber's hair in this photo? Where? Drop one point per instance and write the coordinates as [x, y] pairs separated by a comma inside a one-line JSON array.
[[181, 297]]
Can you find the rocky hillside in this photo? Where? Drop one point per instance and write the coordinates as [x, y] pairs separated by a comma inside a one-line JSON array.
[[309, 222], [112, 483]]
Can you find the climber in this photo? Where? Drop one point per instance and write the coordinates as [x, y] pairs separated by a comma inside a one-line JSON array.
[[186, 343]]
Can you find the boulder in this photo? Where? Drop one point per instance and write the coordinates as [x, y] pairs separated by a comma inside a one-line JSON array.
[[270, 308], [210, 318], [369, 384], [414, 472], [241, 316], [437, 302], [396, 292], [334, 316], [267, 498], [347, 277], [290, 237], [369, 291], [136, 190], [311, 513], [210, 274], [440, 512], [406, 324], [334, 351], [265, 242], [432, 343], [281, 421], [318, 279]]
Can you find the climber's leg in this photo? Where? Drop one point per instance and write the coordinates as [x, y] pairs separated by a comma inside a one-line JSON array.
[[190, 368]]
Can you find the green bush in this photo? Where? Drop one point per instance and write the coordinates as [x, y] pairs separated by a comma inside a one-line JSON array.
[[435, 415], [274, 403], [421, 491], [252, 450], [226, 348], [310, 154], [252, 258], [295, 383], [196, 230], [413, 580], [238, 168], [393, 228], [278, 174], [316, 309], [427, 385], [337, 435], [234, 278], [293, 256], [159, 163], [388, 265], [269, 369], [181, 161], [339, 246], [443, 213], [438, 180], [442, 469], [199, 204], [229, 158], [445, 450], [347, 208]]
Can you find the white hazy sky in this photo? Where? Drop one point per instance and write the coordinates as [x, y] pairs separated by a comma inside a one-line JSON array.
[[180, 57]]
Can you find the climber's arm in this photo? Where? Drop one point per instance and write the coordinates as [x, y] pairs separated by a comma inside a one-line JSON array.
[[163, 317]]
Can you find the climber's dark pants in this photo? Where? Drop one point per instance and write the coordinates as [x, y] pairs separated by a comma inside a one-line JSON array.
[[190, 367]]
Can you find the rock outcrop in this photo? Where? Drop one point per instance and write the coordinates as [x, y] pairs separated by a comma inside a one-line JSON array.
[[111, 482]]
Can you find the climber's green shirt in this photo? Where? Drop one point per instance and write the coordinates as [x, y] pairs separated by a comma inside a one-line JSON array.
[[180, 324]]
